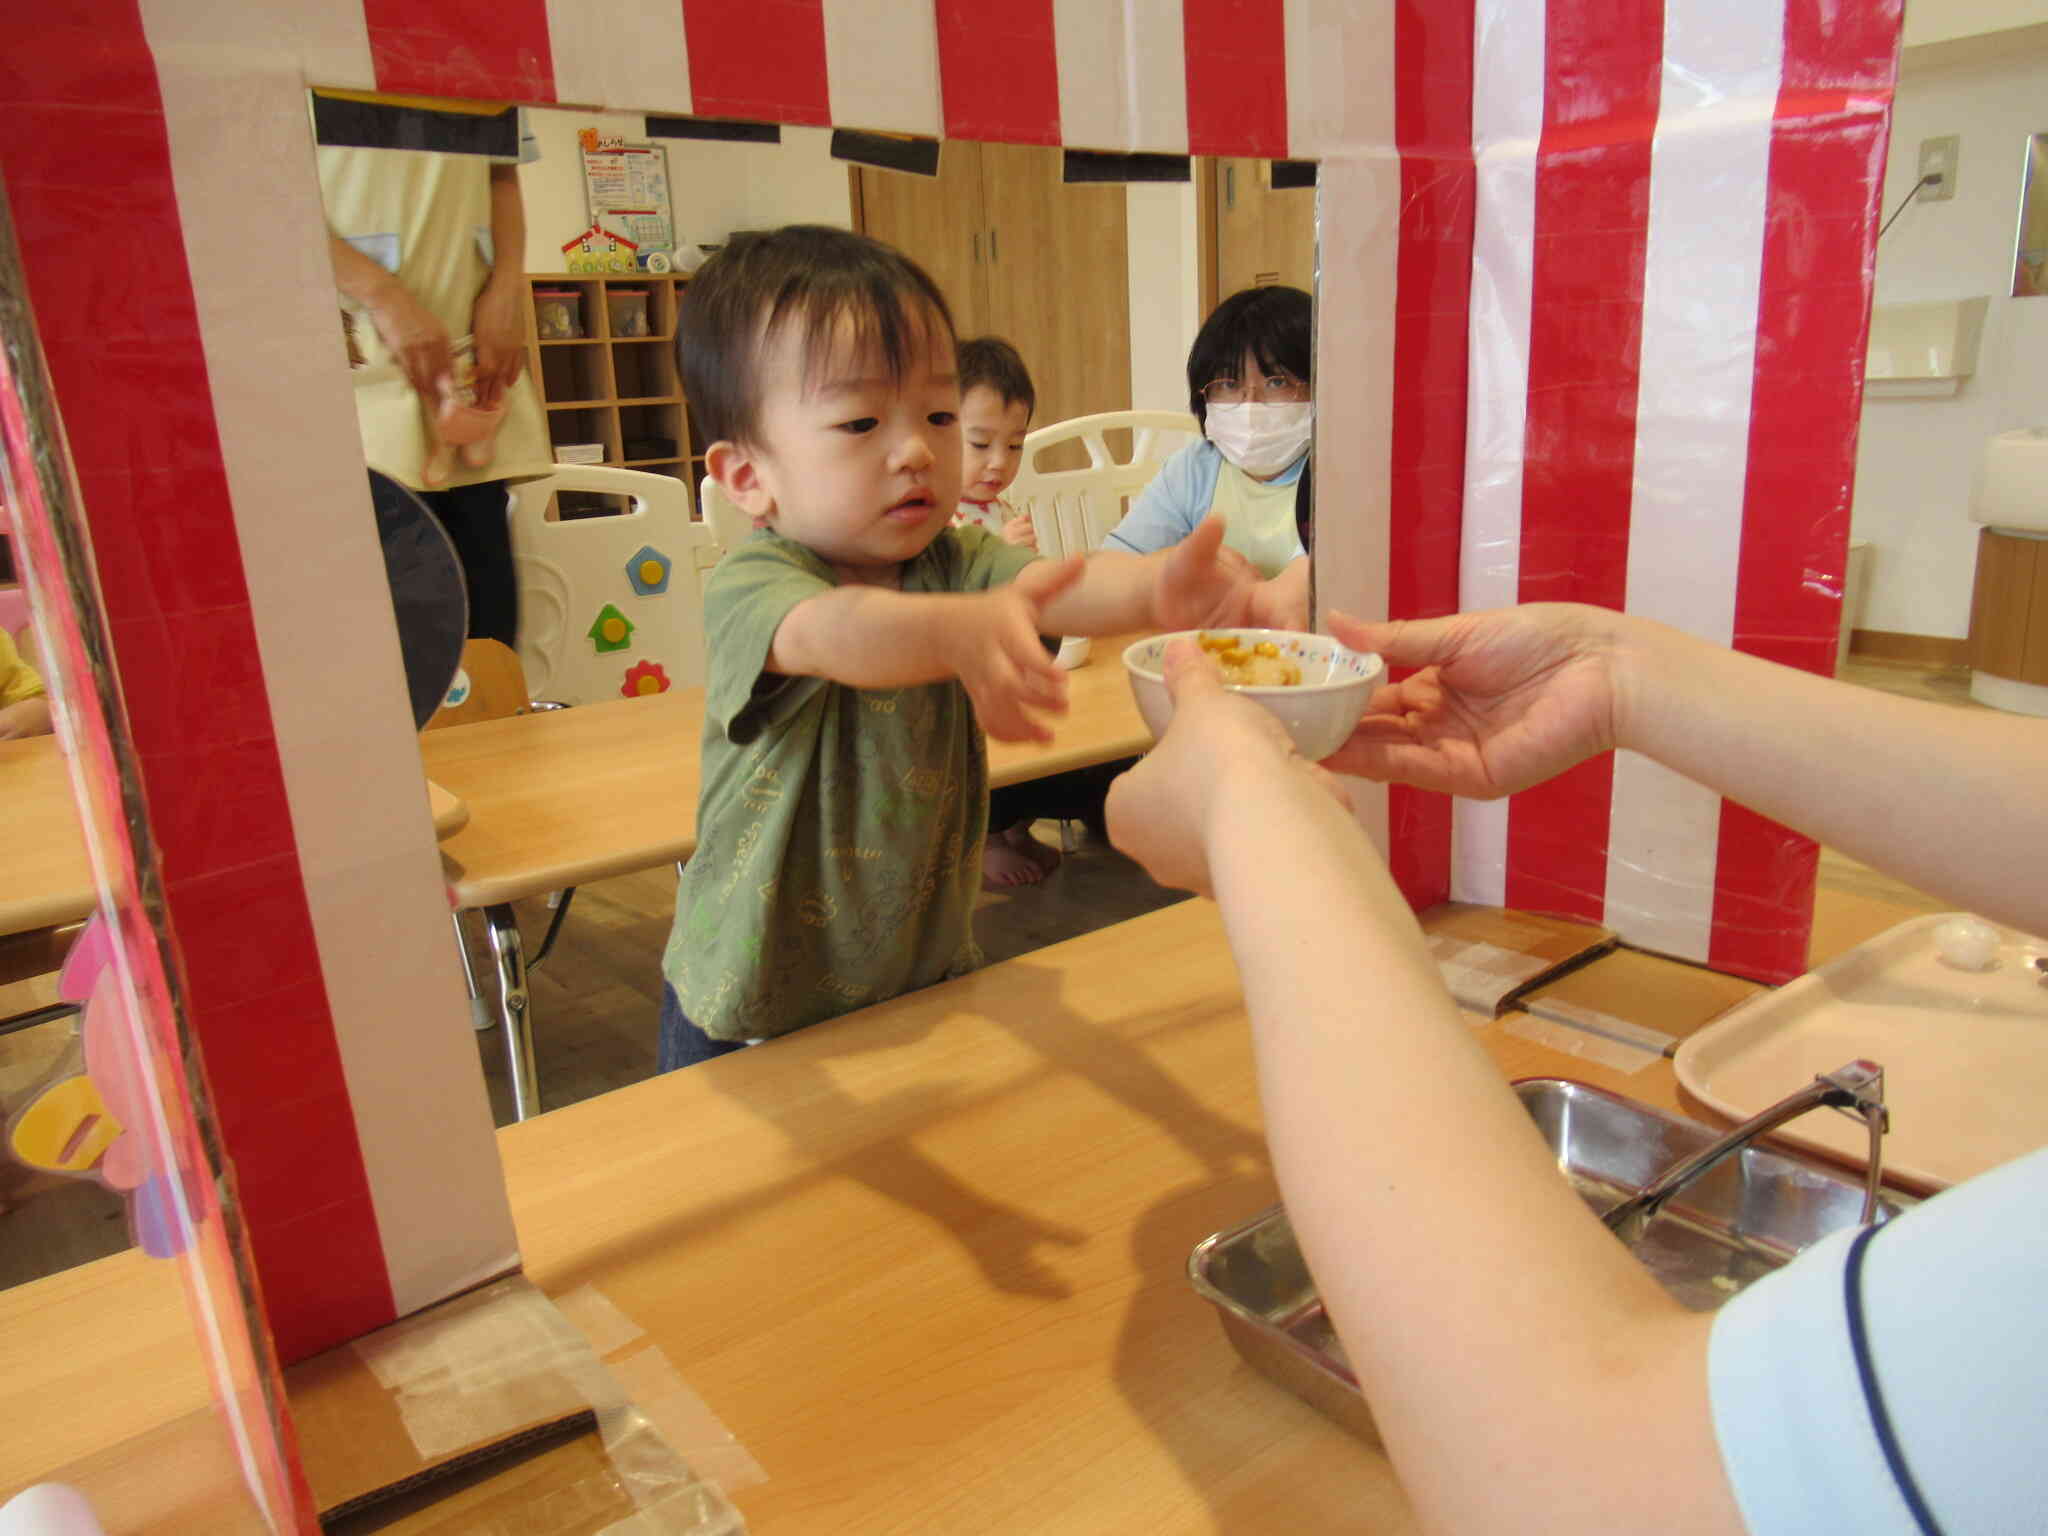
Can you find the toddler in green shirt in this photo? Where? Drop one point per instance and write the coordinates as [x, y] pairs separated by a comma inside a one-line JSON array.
[[861, 645]]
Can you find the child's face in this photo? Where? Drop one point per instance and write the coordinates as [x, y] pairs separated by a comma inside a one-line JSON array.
[[993, 429], [863, 470]]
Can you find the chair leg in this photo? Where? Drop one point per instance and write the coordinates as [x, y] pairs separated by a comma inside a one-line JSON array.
[[479, 1016], [515, 1009]]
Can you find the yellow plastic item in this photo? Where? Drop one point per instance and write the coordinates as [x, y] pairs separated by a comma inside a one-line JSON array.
[[66, 1129]]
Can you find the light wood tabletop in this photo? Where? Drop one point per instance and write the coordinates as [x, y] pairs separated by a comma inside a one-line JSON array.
[[927, 1263], [45, 875], [563, 797]]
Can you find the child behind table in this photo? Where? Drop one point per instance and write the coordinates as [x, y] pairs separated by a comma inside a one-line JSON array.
[[858, 653], [996, 402]]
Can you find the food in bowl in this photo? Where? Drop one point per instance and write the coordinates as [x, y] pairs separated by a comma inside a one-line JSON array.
[[1258, 664], [1333, 687]]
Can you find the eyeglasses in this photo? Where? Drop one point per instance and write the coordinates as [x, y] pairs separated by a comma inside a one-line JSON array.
[[1278, 388]]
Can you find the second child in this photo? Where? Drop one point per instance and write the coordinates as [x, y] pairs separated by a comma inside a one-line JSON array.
[[996, 402], [858, 654]]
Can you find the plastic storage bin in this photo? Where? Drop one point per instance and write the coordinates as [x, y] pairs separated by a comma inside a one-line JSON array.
[[558, 314], [627, 308]]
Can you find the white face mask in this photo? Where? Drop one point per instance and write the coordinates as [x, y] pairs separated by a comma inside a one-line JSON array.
[[1260, 438]]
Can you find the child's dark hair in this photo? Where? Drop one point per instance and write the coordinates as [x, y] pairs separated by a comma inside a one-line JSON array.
[[993, 362], [807, 274], [1273, 324]]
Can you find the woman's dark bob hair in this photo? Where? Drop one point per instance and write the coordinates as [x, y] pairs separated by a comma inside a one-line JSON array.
[[1272, 324]]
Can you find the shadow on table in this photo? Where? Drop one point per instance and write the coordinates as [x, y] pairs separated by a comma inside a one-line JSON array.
[[1269, 1462], [794, 1086]]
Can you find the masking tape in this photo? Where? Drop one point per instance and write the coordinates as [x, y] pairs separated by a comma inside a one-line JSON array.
[[481, 1366], [686, 1421], [1592, 1020], [1478, 974], [592, 1314], [1619, 1055]]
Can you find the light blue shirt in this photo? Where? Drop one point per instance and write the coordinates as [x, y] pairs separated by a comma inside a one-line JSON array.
[[1955, 1306], [1178, 498]]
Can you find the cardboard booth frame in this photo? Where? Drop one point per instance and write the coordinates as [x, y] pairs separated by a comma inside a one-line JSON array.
[[1493, 283]]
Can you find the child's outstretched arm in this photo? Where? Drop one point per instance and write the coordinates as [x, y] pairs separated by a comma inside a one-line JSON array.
[[873, 637], [1196, 584]]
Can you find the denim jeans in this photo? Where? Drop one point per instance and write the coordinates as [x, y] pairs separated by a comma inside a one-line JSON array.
[[683, 1044]]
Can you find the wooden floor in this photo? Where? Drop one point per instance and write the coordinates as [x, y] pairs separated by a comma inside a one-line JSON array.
[[595, 998]]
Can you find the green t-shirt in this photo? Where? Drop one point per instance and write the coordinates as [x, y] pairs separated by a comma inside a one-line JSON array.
[[839, 829]]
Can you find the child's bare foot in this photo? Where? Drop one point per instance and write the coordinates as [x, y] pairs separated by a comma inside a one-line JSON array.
[[1013, 857]]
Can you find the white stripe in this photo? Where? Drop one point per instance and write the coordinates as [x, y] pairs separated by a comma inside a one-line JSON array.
[[638, 58], [1122, 74], [1358, 204], [1507, 124], [1662, 832], [330, 43], [1703, 266], [1155, 77], [882, 65], [240, 138], [1340, 78]]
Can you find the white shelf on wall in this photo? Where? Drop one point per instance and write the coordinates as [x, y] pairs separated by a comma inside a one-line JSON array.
[[1921, 350]]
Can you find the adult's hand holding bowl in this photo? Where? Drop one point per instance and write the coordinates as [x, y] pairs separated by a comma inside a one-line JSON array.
[[1319, 712]]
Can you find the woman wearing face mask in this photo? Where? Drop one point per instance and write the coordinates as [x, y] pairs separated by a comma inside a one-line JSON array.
[[1248, 385]]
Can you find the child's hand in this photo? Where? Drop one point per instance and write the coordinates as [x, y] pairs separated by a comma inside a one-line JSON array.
[[999, 659], [1019, 530], [1202, 585]]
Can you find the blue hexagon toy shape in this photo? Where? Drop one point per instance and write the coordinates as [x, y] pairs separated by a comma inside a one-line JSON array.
[[648, 571]]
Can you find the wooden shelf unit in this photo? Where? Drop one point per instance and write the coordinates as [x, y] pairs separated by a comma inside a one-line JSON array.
[[616, 391]]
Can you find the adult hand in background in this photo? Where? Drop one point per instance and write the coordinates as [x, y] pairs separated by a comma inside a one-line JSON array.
[[415, 338], [498, 324]]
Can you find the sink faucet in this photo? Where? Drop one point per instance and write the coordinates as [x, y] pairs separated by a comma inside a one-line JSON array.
[[1857, 1088]]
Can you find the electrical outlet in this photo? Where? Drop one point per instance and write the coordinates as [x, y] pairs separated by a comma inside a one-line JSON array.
[[1938, 157]]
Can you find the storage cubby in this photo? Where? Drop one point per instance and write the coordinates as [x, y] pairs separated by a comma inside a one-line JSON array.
[[573, 372], [623, 392], [645, 370]]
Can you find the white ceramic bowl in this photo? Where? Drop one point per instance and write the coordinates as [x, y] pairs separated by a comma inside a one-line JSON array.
[[1319, 711]]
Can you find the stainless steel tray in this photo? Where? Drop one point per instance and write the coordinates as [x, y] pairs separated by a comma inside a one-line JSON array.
[[1744, 1219]]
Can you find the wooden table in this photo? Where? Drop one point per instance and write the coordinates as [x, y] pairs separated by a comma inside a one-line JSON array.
[[560, 798], [46, 878], [926, 1262]]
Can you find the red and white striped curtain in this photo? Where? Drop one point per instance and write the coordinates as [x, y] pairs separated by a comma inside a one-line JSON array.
[[1594, 284]]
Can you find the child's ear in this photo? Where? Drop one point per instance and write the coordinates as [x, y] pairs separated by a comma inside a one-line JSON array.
[[740, 473]]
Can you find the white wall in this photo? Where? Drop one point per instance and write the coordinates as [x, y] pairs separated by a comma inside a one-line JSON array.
[[715, 187], [720, 187], [1916, 462], [1937, 21]]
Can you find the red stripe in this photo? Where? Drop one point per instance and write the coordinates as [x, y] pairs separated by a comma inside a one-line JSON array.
[[1236, 56], [999, 71], [1432, 313], [1826, 171], [763, 60], [1605, 61], [472, 50], [125, 357]]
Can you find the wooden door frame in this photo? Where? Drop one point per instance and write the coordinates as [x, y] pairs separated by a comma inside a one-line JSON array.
[[1209, 255]]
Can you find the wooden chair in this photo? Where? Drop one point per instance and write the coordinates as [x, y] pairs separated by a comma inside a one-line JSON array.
[[490, 686]]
